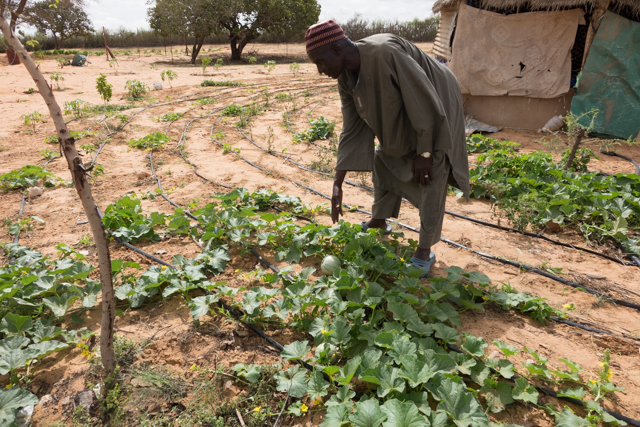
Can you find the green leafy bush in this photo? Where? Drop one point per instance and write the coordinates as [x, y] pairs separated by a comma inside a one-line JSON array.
[[136, 88], [27, 176], [104, 89], [125, 220], [169, 75], [321, 128], [150, 142], [534, 190]]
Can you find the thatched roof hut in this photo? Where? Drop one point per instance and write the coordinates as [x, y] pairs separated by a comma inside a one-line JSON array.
[[495, 88]]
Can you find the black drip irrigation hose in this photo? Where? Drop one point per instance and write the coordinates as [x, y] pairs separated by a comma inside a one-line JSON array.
[[539, 236], [614, 154], [174, 204], [195, 167]]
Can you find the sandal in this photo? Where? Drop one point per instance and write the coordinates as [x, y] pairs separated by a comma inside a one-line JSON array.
[[424, 265], [365, 227]]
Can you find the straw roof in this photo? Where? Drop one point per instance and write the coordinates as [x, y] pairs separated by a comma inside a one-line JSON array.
[[510, 5]]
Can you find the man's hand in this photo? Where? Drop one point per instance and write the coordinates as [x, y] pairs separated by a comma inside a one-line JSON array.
[[421, 170], [336, 198]]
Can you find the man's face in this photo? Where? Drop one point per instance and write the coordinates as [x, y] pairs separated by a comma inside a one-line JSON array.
[[328, 59]]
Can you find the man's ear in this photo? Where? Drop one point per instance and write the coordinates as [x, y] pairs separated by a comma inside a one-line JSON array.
[[336, 49]]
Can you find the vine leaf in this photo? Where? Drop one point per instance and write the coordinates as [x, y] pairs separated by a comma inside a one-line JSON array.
[[367, 414]]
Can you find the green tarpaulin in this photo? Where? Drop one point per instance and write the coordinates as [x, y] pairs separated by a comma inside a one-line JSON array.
[[610, 80]]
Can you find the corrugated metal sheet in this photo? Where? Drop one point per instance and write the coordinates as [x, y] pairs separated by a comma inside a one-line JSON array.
[[442, 45]]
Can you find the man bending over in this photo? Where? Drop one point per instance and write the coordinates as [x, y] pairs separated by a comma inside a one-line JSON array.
[[392, 90]]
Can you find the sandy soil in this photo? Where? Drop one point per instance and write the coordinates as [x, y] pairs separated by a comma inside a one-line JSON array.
[[180, 345]]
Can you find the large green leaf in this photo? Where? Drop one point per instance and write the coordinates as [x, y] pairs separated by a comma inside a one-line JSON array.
[[403, 414], [474, 345], [525, 391], [566, 418], [296, 350], [292, 381], [506, 349], [335, 416], [460, 405], [16, 359], [317, 386], [415, 370], [13, 324], [342, 397], [199, 306], [45, 348], [497, 394], [11, 400], [13, 343], [367, 414], [389, 380]]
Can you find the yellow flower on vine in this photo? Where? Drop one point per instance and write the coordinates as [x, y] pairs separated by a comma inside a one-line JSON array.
[[257, 409], [9, 386], [568, 306], [304, 408], [193, 367]]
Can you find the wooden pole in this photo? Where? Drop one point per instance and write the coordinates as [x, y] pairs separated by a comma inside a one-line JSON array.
[[79, 176], [599, 11]]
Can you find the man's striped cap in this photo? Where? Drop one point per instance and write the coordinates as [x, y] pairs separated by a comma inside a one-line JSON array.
[[323, 33]]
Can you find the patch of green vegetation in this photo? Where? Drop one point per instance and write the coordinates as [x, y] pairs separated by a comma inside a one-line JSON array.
[[321, 128], [221, 83], [169, 117], [478, 143], [534, 190], [152, 141], [25, 177], [125, 220]]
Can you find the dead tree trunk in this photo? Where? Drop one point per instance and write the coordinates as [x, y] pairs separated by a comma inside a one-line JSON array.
[[78, 174], [580, 133]]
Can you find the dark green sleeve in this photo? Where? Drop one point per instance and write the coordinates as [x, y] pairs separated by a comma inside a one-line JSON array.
[[356, 147], [422, 104]]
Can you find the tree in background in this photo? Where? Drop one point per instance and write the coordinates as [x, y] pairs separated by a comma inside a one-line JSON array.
[[194, 19], [12, 10], [64, 20], [246, 20]]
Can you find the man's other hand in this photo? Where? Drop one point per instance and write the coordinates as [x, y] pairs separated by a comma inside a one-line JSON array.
[[421, 168]]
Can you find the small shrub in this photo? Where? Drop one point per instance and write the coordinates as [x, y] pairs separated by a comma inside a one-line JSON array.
[[136, 88], [218, 64], [295, 69], [48, 154], [104, 89], [205, 63], [56, 77], [321, 128], [150, 142], [113, 63], [270, 66], [32, 119], [74, 107], [170, 75], [253, 60]]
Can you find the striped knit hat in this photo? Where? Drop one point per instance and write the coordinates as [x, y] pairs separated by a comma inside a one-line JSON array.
[[323, 33]]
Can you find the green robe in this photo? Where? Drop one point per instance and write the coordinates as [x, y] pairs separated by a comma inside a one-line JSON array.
[[412, 104]]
